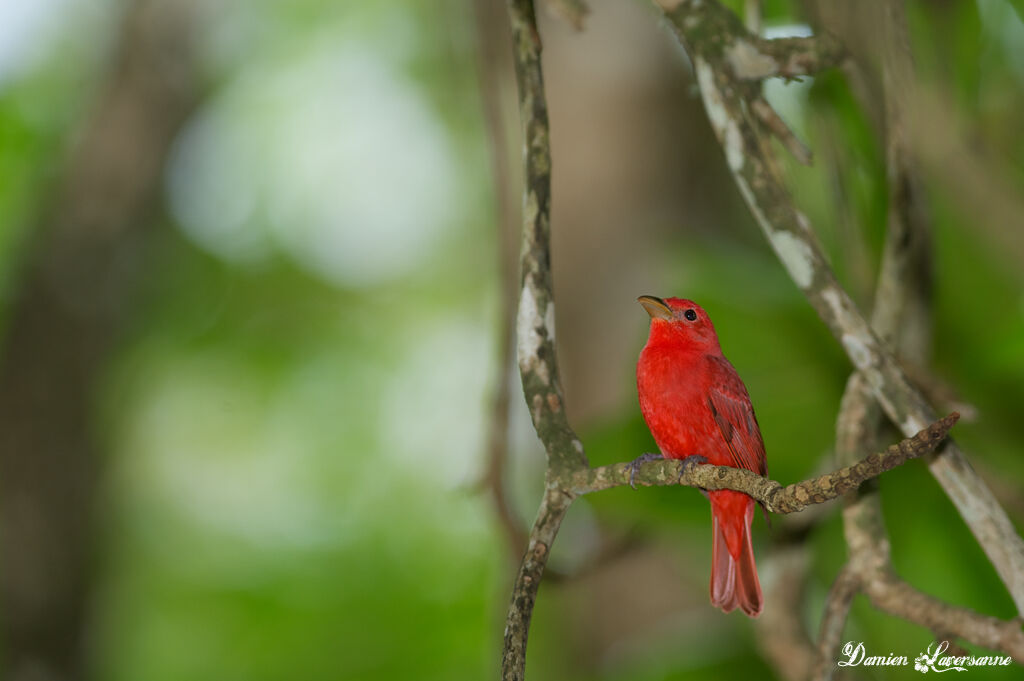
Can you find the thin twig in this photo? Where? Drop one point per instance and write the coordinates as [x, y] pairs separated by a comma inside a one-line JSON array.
[[772, 122], [752, 58], [802, 56]]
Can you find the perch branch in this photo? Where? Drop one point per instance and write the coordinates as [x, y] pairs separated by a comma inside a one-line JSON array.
[[710, 33], [774, 497]]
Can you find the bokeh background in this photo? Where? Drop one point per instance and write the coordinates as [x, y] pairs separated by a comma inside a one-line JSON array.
[[254, 264]]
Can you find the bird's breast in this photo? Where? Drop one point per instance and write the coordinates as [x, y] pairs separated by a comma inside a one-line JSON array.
[[673, 400]]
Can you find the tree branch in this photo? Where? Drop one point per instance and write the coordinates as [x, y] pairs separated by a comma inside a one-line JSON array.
[[710, 33], [891, 594], [729, 73], [749, 56], [535, 331], [535, 324], [795, 57], [774, 497], [524, 594]]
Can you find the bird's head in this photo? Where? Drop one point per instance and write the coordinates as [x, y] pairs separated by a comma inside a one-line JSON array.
[[682, 322]]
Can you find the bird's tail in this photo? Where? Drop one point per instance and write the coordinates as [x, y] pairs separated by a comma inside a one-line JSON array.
[[733, 573]]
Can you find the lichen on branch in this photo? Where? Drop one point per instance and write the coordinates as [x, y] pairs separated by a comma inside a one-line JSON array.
[[771, 494]]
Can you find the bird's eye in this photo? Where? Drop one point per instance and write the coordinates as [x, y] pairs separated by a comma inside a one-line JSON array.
[[690, 314]]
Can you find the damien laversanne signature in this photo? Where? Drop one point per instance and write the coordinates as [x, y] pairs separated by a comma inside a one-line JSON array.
[[936, 660]]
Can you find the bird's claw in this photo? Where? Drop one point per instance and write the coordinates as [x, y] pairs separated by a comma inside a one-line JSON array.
[[637, 462], [689, 462]]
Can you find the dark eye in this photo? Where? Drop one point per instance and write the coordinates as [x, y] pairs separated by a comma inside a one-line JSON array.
[[690, 314]]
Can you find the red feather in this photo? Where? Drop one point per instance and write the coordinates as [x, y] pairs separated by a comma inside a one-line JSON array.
[[695, 404]]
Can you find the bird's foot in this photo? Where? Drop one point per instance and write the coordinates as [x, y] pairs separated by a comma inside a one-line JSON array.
[[689, 462], [639, 461]]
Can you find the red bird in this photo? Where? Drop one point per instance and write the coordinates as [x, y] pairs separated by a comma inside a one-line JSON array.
[[696, 406]]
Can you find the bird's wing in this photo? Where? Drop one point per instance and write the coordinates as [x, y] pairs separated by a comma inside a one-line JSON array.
[[731, 408]]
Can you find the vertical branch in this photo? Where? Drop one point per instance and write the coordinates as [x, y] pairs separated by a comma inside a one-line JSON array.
[[535, 325], [535, 332], [524, 593]]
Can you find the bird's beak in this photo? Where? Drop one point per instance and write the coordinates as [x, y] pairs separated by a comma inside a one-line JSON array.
[[656, 307]]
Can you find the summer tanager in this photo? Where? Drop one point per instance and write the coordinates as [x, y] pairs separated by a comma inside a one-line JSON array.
[[696, 406]]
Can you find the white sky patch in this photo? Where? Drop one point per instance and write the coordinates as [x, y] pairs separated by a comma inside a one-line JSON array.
[[334, 157], [789, 99], [28, 28], [432, 410]]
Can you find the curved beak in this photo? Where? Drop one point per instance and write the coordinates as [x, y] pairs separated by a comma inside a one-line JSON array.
[[656, 307]]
